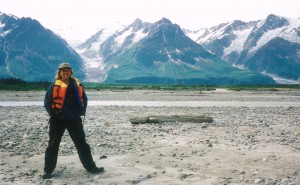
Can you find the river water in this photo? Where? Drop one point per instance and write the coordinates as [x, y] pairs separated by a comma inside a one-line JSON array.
[[167, 103]]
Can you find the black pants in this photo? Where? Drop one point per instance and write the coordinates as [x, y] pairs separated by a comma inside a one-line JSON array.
[[75, 129]]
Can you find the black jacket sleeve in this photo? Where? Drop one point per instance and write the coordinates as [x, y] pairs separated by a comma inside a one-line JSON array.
[[85, 101], [48, 99]]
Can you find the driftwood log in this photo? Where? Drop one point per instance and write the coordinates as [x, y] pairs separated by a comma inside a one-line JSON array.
[[171, 118]]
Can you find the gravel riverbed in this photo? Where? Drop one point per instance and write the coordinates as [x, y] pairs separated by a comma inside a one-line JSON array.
[[243, 145]]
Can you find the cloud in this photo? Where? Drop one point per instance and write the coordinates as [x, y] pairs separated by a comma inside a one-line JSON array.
[[192, 14]]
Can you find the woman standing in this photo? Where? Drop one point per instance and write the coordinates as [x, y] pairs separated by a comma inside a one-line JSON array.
[[66, 101]]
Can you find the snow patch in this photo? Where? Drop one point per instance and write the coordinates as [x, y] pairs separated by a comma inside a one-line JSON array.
[[194, 35], [281, 80], [121, 38], [212, 35], [288, 33], [95, 69], [238, 44], [139, 36], [2, 25], [3, 33], [240, 66]]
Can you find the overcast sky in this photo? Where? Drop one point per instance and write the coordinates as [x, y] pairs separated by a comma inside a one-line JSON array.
[[192, 14]]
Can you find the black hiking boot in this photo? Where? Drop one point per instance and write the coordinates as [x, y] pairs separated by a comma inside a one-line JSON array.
[[96, 170], [46, 175]]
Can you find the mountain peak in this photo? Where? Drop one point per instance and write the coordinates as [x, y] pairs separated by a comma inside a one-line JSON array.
[[275, 21], [273, 16], [164, 20], [25, 49], [137, 22]]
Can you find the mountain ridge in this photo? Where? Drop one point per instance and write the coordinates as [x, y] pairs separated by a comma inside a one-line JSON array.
[[30, 52], [164, 54], [238, 43], [162, 50]]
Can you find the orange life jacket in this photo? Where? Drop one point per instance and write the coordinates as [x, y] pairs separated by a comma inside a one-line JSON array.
[[59, 93]]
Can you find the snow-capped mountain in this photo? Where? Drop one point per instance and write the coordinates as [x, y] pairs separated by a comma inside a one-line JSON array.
[[269, 46], [159, 53], [89, 51], [30, 52], [106, 41]]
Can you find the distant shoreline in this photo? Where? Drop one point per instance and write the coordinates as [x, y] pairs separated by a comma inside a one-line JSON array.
[[19, 85]]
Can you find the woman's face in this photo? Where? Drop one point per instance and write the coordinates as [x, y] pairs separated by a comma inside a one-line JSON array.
[[65, 73]]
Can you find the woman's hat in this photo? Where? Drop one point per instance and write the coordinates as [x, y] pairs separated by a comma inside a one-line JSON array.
[[65, 65]]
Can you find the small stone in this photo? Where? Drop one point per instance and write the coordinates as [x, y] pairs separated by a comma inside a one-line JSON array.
[[258, 181], [103, 157]]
